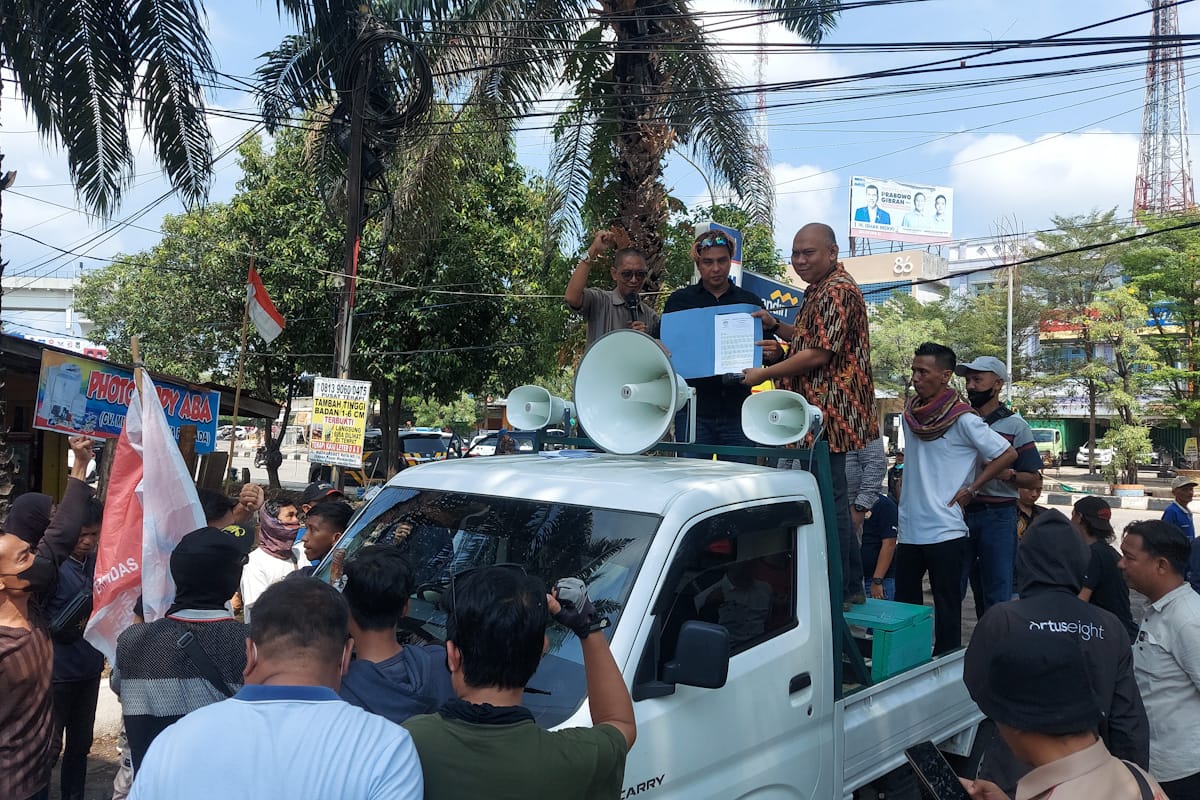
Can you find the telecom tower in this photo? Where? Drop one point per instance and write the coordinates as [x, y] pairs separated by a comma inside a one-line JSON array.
[[1164, 177]]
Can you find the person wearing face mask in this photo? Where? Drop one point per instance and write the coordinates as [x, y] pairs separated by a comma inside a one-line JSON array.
[[273, 559], [992, 515], [194, 655], [32, 546]]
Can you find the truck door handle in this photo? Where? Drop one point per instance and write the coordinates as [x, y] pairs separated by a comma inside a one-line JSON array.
[[799, 682]]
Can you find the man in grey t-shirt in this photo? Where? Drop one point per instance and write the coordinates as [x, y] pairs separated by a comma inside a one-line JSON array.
[[991, 549], [621, 307]]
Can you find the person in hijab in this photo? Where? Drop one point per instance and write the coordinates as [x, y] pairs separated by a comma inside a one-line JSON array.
[[272, 560], [194, 655], [32, 546]]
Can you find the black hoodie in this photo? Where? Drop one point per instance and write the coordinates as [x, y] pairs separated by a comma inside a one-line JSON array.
[[1051, 562]]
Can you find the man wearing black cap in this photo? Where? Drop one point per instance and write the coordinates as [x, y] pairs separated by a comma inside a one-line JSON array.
[[1166, 654], [1050, 566], [992, 515], [1102, 584], [1035, 689], [194, 655]]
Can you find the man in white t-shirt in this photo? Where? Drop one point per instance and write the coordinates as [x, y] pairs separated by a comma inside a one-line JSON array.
[[260, 742], [946, 440]]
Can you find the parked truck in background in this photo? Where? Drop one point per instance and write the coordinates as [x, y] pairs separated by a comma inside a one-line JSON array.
[[1049, 443]]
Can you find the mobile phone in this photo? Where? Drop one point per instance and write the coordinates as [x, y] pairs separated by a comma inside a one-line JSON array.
[[934, 772]]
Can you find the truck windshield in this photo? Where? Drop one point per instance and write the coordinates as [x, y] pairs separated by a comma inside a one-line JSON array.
[[1043, 435], [444, 533]]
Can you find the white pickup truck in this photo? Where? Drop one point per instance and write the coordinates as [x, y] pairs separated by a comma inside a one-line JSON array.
[[715, 578]]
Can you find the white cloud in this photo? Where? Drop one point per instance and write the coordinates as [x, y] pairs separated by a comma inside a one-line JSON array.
[[804, 194], [1002, 175]]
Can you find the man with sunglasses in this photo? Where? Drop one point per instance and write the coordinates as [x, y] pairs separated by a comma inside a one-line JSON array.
[[496, 636], [621, 307], [718, 404]]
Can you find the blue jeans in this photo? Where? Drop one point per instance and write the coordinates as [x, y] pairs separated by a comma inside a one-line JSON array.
[[715, 430], [889, 588], [990, 555]]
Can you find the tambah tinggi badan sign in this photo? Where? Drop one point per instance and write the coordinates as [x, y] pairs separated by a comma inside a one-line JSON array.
[[339, 422], [82, 396]]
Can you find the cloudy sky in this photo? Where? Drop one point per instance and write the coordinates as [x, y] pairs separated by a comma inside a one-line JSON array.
[[1061, 144]]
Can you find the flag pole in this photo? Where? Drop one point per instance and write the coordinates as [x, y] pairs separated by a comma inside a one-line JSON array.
[[135, 350], [237, 389]]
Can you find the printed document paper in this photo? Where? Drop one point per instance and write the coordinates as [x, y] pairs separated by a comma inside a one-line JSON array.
[[734, 343]]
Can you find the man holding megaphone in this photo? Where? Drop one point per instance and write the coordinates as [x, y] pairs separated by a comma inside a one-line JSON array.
[[830, 365], [622, 307]]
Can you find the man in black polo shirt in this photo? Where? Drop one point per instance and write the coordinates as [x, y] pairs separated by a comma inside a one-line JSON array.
[[718, 406]]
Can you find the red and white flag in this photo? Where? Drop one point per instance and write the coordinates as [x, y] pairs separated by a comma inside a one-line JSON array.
[[267, 320], [151, 504]]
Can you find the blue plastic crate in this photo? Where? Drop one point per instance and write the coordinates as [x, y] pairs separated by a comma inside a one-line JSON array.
[[902, 635]]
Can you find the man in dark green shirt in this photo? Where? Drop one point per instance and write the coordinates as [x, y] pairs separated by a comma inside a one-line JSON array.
[[485, 743]]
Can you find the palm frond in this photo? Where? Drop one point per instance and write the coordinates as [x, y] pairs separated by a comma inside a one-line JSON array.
[[171, 45], [809, 19], [294, 76], [570, 173], [91, 75], [709, 119]]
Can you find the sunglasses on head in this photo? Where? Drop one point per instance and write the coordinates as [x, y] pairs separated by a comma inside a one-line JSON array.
[[628, 274], [462, 574], [712, 240]]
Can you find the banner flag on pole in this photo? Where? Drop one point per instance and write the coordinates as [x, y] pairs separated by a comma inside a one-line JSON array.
[[151, 504], [267, 320]]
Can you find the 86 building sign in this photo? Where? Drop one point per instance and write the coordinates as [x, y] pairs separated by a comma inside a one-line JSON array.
[[339, 422]]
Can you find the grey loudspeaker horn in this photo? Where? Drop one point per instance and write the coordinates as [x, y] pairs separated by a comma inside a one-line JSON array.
[[627, 393], [779, 417], [532, 408]]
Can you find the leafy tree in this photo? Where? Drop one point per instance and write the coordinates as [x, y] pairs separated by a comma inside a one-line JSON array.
[[434, 316], [898, 327], [1071, 283], [1166, 272]]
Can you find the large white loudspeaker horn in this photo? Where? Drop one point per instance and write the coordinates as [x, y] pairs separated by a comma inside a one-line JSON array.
[[779, 417], [627, 393], [532, 408]]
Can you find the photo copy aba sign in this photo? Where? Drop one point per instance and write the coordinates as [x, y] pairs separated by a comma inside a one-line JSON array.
[[82, 396]]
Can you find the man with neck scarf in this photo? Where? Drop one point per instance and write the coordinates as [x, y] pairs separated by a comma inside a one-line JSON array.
[[272, 560], [945, 441], [161, 679]]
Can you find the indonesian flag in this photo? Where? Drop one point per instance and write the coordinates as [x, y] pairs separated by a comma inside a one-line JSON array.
[[151, 504], [267, 321]]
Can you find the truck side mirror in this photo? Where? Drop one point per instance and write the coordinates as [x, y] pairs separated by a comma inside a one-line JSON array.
[[701, 656], [701, 659]]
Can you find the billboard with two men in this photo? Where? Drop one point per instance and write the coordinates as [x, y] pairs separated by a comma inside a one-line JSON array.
[[900, 212]]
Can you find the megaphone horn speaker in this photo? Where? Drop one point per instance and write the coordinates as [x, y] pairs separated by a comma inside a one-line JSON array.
[[627, 392], [531, 408], [779, 417]]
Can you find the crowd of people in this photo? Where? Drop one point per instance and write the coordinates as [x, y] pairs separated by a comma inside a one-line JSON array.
[[255, 649], [960, 514]]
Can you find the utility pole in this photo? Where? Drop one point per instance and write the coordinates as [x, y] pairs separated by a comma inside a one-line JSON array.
[[345, 322]]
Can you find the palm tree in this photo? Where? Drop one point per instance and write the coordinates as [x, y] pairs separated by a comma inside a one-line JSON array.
[[647, 80], [83, 67]]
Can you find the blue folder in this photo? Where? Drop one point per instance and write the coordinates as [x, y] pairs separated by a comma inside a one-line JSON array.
[[691, 337]]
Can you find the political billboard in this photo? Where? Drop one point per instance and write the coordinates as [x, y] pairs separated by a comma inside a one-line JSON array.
[[339, 422], [900, 212], [78, 395]]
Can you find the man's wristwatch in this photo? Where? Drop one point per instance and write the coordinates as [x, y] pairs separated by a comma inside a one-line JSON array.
[[877, 581], [860, 509]]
